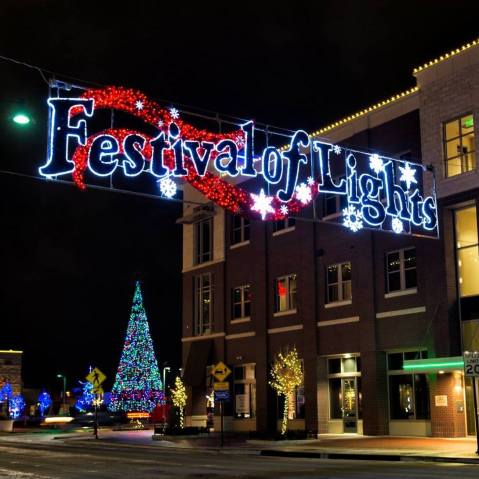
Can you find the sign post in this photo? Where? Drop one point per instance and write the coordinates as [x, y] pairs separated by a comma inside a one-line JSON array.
[[96, 378], [222, 391], [471, 370]]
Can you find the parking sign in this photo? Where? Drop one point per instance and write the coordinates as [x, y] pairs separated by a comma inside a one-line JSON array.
[[471, 364]]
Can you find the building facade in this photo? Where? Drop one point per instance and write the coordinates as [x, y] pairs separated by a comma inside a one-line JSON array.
[[379, 320], [11, 369]]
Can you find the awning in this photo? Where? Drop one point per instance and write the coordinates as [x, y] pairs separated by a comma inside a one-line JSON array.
[[195, 367], [434, 365]]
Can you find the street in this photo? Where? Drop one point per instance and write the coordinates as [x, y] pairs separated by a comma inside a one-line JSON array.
[[103, 459]]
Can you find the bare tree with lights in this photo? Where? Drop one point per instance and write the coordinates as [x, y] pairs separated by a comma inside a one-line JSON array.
[[178, 396], [286, 376]]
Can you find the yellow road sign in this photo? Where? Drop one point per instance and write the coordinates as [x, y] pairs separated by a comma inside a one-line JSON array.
[[220, 371], [96, 377], [98, 390], [221, 386]]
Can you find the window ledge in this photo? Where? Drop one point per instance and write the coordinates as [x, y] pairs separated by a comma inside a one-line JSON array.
[[284, 231], [337, 304], [460, 175], [202, 265], [240, 320], [402, 292], [285, 313], [239, 245]]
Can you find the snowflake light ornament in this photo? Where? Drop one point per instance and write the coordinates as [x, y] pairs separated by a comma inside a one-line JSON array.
[[174, 113], [284, 210], [139, 105], [408, 175], [303, 193], [353, 218], [262, 204], [310, 181], [337, 149], [160, 123], [397, 225], [168, 187], [375, 163]]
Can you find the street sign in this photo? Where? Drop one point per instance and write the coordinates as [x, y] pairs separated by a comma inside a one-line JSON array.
[[471, 364], [221, 386], [98, 390], [222, 396], [96, 377], [220, 371]]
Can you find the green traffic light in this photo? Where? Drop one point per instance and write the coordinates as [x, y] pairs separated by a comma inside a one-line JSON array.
[[21, 119]]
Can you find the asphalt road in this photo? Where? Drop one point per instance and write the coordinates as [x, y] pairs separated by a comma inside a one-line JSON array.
[[82, 459]]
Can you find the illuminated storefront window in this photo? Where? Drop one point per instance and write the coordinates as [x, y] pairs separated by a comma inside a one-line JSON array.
[[459, 151], [467, 251]]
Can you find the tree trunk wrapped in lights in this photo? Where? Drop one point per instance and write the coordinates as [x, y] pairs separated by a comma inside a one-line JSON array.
[[178, 396], [286, 376]]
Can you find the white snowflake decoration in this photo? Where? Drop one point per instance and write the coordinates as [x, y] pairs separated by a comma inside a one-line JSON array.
[[284, 210], [303, 193], [408, 175], [139, 105], [310, 181], [262, 204], [375, 163], [337, 149], [160, 123], [353, 218], [397, 225], [168, 187], [174, 113]]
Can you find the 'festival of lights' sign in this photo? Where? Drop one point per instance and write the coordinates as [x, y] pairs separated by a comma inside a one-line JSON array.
[[377, 191]]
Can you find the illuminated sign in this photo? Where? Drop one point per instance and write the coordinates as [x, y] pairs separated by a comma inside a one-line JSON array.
[[267, 182]]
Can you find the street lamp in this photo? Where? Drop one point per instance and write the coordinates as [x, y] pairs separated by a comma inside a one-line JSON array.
[[62, 376], [166, 368], [21, 119]]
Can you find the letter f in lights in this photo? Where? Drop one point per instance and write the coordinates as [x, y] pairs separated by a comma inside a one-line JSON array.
[[62, 129]]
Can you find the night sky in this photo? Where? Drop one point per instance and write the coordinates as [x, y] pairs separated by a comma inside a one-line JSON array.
[[69, 259]]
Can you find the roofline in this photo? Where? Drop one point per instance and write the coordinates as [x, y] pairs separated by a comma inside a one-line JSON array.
[[446, 56]]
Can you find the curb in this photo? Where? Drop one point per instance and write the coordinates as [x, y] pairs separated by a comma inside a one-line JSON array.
[[367, 457]]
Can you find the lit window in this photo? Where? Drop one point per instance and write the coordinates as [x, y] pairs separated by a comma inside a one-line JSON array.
[[285, 293], [281, 225], [241, 302], [240, 229], [408, 393], [459, 151], [467, 251], [338, 283], [203, 241], [401, 270], [203, 305], [244, 391]]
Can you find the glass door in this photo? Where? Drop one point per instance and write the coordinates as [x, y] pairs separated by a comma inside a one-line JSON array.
[[350, 407]]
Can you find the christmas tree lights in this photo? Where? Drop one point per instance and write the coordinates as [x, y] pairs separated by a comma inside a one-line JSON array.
[[44, 402], [16, 406], [286, 376], [138, 384], [178, 396], [85, 400]]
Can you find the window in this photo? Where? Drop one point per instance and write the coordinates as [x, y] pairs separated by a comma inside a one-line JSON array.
[[467, 251], [281, 225], [401, 270], [242, 302], [203, 304], [338, 283], [334, 204], [459, 146], [203, 241], [240, 229], [285, 293], [408, 393], [245, 391]]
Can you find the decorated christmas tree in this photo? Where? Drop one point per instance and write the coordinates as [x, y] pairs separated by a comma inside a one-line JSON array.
[[138, 384]]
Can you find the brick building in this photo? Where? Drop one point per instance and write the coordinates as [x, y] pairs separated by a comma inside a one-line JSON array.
[[379, 320], [11, 369]]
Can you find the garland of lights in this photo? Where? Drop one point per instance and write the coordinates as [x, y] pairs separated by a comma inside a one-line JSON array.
[[213, 187], [138, 385], [286, 376]]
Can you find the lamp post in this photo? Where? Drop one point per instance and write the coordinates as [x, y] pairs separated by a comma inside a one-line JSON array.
[[62, 376], [166, 368]]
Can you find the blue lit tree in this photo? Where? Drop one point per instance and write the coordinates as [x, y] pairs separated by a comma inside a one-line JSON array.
[[138, 384], [16, 406], [44, 402], [85, 400], [6, 393]]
